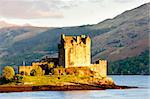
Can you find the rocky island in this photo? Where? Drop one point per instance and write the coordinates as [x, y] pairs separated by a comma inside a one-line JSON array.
[[72, 70]]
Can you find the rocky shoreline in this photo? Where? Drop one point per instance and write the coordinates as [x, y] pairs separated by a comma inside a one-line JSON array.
[[29, 88]]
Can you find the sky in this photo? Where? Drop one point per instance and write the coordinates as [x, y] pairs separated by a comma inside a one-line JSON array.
[[62, 13]]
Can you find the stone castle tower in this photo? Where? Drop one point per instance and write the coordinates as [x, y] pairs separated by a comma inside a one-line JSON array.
[[74, 51]]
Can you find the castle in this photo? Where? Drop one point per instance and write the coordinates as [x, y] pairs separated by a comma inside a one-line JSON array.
[[74, 51]]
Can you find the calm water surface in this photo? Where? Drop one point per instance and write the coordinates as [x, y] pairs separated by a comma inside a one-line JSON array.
[[141, 93]]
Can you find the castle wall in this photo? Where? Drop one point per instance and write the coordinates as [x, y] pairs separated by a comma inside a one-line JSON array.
[[77, 55], [74, 51], [67, 60], [61, 57], [26, 69], [100, 67]]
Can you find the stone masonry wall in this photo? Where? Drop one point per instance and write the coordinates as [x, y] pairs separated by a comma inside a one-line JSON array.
[[26, 69], [100, 67], [75, 51]]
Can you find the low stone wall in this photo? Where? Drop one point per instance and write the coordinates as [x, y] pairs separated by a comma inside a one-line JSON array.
[[26, 69], [101, 69]]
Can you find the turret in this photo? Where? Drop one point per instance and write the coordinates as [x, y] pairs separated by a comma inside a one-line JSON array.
[[88, 41], [78, 39]]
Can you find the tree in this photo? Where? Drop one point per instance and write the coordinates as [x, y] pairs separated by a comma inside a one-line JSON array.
[[8, 73], [33, 72], [37, 71], [55, 71], [61, 70], [18, 78], [133, 65], [49, 68], [51, 65]]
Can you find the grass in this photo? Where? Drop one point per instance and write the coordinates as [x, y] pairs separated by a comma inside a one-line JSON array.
[[58, 79], [49, 80]]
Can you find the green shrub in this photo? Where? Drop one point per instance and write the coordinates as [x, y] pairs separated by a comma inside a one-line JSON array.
[[61, 70], [58, 71], [33, 72], [8, 73], [51, 65], [70, 71], [37, 71], [79, 71], [55, 71], [18, 78], [3, 81]]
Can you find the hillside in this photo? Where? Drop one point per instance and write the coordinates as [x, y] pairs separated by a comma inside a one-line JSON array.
[[134, 65], [129, 36], [126, 35]]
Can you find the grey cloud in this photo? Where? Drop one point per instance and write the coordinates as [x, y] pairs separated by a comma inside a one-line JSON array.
[[124, 1], [96, 1], [115, 1], [30, 9]]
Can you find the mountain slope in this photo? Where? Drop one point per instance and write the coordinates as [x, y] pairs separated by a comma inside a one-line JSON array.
[[134, 65], [5, 24], [129, 36], [124, 36]]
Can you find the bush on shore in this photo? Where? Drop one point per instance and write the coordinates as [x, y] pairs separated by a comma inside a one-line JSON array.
[[77, 71], [18, 78], [37, 71], [58, 71], [8, 73]]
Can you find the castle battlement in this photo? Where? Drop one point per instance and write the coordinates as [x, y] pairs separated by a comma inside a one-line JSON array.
[[69, 41]]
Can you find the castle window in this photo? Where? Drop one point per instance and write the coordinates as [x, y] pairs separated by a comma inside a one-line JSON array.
[[71, 41]]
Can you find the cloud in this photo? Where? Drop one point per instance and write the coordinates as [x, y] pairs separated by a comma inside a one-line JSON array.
[[96, 1], [31, 9], [42, 9], [113, 1], [124, 1]]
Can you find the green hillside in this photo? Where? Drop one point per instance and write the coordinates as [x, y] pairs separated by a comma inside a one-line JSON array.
[[133, 65], [125, 35]]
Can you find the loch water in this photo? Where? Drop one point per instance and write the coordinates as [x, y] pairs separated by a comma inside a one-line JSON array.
[[143, 92]]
